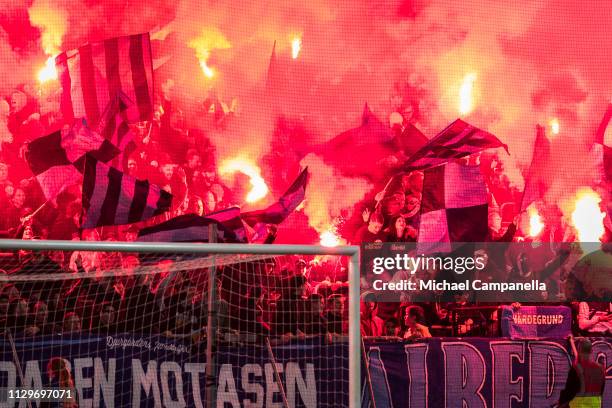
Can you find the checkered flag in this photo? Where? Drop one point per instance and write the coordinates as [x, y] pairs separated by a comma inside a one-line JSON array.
[[459, 139], [454, 207]]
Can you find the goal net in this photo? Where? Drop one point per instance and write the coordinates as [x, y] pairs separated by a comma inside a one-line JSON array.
[[175, 329]]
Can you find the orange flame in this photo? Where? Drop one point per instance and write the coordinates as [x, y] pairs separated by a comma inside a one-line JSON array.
[[554, 126], [259, 188], [48, 73], [587, 217], [329, 238], [535, 222], [52, 22], [210, 39], [296, 46], [466, 94]]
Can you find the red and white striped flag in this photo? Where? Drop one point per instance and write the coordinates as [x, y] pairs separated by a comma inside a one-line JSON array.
[[114, 127], [111, 197], [92, 75], [459, 139]]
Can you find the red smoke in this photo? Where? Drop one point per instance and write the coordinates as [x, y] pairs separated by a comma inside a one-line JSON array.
[[531, 62]]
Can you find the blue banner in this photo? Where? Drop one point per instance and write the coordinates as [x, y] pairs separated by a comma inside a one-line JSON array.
[[473, 373], [133, 371], [553, 322]]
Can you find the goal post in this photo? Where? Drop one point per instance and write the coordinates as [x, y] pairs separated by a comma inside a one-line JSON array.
[[351, 254]]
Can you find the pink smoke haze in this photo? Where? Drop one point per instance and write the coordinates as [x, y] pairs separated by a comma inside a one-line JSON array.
[[530, 62]]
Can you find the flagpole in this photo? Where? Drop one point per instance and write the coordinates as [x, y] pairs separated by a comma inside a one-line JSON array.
[[281, 388], [384, 192], [37, 210]]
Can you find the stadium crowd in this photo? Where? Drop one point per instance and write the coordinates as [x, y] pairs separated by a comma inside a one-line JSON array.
[[182, 161], [255, 300], [285, 299]]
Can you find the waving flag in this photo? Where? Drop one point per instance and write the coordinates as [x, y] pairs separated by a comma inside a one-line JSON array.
[[458, 140], [411, 140], [113, 198], [92, 75], [538, 177], [454, 207], [279, 211], [364, 147], [600, 144], [194, 228], [114, 127], [57, 160]]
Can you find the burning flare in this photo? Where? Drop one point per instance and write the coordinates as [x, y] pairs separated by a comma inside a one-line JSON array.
[[296, 46], [587, 217], [466, 97], [535, 222], [554, 126], [48, 73], [52, 22], [209, 40], [329, 238], [259, 188]]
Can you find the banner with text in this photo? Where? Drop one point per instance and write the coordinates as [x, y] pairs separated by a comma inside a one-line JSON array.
[[473, 373], [536, 321], [135, 371]]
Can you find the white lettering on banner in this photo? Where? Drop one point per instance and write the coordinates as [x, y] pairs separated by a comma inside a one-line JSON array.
[[416, 359], [272, 387], [465, 372], [104, 383], [163, 382], [148, 382], [307, 389], [549, 362], [529, 373], [81, 382], [166, 368], [505, 387], [252, 388], [226, 391], [140, 343], [31, 379], [195, 369], [11, 375], [519, 318]]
